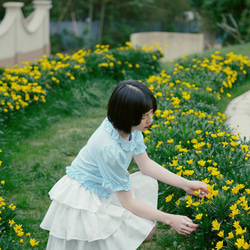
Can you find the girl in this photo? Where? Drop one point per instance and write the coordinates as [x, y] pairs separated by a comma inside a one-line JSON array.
[[98, 204]]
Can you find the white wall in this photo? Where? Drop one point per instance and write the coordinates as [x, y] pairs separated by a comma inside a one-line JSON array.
[[24, 39], [179, 44]]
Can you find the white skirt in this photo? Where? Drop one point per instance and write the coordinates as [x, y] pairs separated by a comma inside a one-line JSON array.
[[81, 220]]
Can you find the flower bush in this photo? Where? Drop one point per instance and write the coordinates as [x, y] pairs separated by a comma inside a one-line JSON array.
[[191, 137], [30, 85], [20, 87], [12, 235]]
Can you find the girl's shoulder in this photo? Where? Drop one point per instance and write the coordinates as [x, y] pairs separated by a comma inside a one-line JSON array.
[[107, 137]]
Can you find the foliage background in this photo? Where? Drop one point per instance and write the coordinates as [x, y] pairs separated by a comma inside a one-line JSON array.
[[118, 19]]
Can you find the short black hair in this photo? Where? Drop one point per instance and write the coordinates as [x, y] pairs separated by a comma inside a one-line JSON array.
[[128, 102]]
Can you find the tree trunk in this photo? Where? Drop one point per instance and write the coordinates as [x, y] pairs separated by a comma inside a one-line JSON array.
[[101, 21], [61, 17], [233, 31], [91, 9]]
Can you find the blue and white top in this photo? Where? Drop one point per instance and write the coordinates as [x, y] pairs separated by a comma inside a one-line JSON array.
[[102, 164]]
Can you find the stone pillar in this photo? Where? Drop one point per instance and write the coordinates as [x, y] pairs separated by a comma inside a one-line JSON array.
[[44, 6]]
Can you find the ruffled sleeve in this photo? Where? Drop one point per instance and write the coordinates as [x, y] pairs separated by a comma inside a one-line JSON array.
[[113, 163], [139, 143]]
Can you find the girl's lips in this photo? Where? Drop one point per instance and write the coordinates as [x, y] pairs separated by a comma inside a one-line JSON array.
[[147, 127]]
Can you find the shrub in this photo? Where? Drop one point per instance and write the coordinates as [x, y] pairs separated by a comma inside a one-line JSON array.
[[191, 137], [21, 87]]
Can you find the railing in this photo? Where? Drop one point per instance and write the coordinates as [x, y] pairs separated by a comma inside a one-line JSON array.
[[24, 39]]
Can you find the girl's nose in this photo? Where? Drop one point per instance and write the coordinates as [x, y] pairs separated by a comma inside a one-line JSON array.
[[150, 119]]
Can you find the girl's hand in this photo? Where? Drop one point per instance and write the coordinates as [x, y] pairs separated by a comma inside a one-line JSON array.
[[182, 224], [197, 188]]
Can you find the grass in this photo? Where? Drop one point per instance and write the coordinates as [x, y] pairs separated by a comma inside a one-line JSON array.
[[41, 161], [235, 92], [44, 141], [47, 137]]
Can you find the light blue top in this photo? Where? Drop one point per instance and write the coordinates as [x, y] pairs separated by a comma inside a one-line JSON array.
[[101, 165]]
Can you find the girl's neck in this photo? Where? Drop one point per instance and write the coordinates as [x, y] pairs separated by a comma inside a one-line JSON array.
[[124, 136]]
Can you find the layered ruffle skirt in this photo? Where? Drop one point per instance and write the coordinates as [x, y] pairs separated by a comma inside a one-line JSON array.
[[81, 220]]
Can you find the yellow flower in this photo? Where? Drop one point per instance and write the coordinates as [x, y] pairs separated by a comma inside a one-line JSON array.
[[220, 134], [196, 204], [20, 233], [219, 245], [205, 181], [179, 167], [169, 198], [198, 216], [178, 202], [237, 188], [11, 222], [246, 245], [202, 163], [240, 242], [188, 172], [198, 132], [194, 141], [33, 242], [170, 141], [17, 227], [234, 144], [236, 138], [216, 225], [225, 188], [155, 126], [158, 113], [186, 95], [230, 235], [221, 234], [239, 230], [189, 203], [12, 207], [229, 182], [129, 44], [174, 163], [190, 161], [209, 89], [158, 144]]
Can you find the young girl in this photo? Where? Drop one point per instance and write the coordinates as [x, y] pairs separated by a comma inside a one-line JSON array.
[[98, 205]]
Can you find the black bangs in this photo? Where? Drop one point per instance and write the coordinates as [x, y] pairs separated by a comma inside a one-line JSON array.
[[143, 103], [129, 101]]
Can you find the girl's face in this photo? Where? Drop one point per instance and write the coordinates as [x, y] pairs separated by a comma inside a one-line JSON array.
[[146, 121]]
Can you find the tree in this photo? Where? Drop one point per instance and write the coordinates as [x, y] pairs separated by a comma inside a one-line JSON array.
[[214, 12]]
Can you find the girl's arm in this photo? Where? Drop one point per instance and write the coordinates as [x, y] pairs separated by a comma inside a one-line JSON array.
[[153, 169], [141, 209]]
